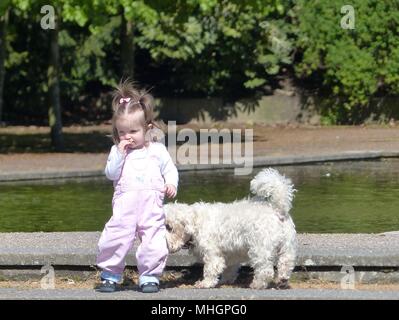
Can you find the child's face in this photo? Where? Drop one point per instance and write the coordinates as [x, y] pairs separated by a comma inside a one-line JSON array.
[[130, 128]]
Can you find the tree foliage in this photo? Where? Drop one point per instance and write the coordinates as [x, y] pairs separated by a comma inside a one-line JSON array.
[[354, 64], [200, 48]]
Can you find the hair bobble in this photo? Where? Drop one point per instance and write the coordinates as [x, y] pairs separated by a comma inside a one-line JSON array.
[[127, 100], [122, 100]]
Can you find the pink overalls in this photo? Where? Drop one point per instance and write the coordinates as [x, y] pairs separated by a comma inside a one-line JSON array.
[[137, 209]]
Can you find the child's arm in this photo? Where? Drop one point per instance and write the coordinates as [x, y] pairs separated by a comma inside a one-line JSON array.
[[168, 168], [114, 165]]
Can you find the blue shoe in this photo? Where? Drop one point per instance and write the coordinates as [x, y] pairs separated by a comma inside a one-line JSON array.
[[107, 286], [150, 287]]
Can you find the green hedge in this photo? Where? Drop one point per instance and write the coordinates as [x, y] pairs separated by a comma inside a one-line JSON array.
[[354, 65]]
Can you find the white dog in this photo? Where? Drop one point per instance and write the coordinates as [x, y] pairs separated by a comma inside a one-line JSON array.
[[257, 230]]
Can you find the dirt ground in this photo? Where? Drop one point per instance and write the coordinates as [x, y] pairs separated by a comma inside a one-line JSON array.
[[180, 280], [27, 149]]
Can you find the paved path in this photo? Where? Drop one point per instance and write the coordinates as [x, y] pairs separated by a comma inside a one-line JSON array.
[[75, 169], [272, 146], [199, 294]]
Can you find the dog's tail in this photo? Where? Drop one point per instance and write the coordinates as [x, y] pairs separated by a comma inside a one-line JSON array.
[[276, 189]]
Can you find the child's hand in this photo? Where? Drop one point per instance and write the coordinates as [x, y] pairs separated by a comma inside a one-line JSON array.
[[170, 190], [124, 145]]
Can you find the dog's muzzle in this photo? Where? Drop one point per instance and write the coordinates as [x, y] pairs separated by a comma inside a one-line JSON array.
[[189, 244]]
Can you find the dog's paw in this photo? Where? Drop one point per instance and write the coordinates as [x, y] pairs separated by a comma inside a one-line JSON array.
[[283, 285], [203, 284], [260, 285]]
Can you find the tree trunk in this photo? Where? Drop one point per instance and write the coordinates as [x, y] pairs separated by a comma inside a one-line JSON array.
[[54, 113], [127, 48], [3, 26]]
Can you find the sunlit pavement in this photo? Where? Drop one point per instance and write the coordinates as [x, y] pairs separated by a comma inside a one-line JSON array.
[[198, 294]]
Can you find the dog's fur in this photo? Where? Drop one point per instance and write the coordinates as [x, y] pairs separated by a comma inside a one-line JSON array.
[[258, 230]]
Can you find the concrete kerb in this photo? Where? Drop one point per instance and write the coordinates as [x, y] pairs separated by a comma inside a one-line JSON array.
[[258, 161], [368, 257]]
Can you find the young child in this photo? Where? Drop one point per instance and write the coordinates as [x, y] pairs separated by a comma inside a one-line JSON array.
[[142, 171]]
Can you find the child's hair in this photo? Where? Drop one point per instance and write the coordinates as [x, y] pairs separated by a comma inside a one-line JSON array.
[[126, 100]]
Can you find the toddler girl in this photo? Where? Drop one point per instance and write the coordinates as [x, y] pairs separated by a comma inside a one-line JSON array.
[[142, 171]]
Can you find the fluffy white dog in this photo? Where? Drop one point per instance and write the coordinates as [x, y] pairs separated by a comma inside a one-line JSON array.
[[258, 230]]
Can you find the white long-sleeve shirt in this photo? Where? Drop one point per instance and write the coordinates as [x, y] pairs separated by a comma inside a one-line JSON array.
[[168, 169]]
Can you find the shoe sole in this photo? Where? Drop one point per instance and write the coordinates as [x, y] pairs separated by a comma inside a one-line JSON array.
[[150, 291], [106, 290]]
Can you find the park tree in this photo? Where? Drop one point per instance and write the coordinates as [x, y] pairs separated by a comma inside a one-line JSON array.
[[53, 74], [351, 54], [185, 48], [50, 24], [4, 9], [192, 48], [112, 22], [228, 49]]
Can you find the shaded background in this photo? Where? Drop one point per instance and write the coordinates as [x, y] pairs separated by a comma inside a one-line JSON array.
[[197, 49]]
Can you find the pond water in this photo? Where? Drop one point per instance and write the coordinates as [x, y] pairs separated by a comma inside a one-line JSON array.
[[332, 198]]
